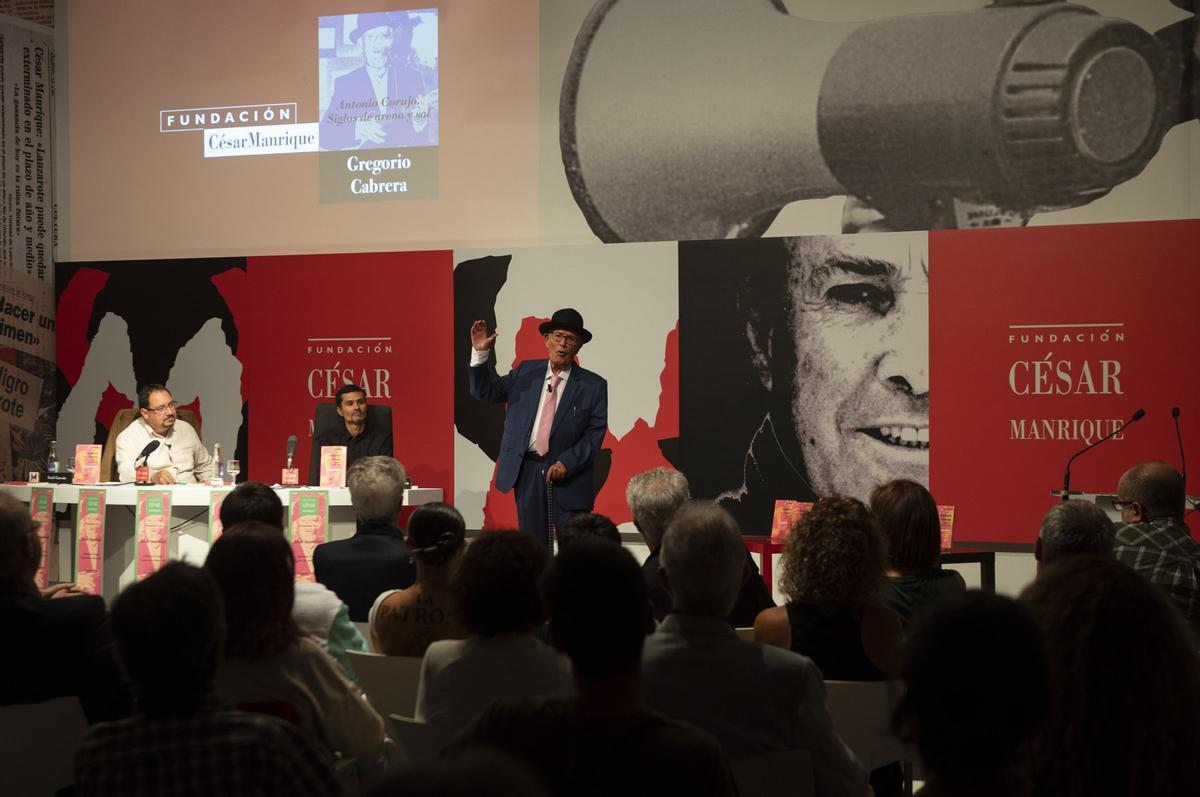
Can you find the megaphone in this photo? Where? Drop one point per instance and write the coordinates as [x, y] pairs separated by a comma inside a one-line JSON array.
[[697, 119]]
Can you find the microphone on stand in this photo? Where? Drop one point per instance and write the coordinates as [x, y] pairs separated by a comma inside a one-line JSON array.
[[291, 450], [1182, 461], [1137, 416], [150, 448], [1179, 439]]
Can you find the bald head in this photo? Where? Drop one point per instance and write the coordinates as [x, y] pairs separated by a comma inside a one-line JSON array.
[[1156, 489]]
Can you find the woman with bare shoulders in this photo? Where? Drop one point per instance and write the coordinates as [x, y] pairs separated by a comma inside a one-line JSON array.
[[404, 622], [832, 574]]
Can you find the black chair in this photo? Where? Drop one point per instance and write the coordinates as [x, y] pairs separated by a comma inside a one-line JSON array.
[[379, 416]]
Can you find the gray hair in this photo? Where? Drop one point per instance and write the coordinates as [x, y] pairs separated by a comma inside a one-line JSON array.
[[1075, 526], [704, 558], [654, 497], [376, 488]]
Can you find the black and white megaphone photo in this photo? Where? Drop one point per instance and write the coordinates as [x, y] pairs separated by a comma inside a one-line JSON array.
[[700, 119]]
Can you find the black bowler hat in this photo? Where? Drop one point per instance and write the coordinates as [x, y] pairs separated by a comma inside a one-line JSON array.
[[567, 318], [375, 19]]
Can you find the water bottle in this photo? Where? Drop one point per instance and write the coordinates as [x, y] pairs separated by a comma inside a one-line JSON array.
[[219, 472], [52, 460]]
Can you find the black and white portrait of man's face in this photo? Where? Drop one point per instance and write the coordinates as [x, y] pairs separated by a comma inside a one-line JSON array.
[[855, 379]]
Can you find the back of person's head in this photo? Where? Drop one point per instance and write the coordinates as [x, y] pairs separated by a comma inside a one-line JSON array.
[[653, 497], [475, 772], [834, 555], [253, 565], [587, 524], [168, 630], [976, 688], [908, 517], [704, 559], [19, 548], [252, 501], [436, 532], [376, 488], [1074, 527], [496, 584], [599, 615], [1125, 679], [1157, 486]]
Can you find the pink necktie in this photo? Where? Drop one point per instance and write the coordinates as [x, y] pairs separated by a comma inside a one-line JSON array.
[[541, 443]]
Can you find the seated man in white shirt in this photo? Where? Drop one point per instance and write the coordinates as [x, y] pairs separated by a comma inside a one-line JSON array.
[[180, 457]]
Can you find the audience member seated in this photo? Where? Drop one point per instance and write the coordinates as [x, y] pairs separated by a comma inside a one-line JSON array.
[[475, 773], [976, 692], [1156, 543], [404, 622], [653, 497], [1073, 527], [319, 613], [587, 524], [269, 667], [1125, 683], [56, 646], [602, 741], [908, 517], [496, 591], [755, 699], [832, 573], [169, 630], [375, 559]]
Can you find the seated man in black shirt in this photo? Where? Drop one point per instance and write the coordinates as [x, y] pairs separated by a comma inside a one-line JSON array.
[[359, 439]]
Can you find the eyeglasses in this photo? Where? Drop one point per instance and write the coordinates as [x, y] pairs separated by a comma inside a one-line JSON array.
[[564, 337], [170, 405], [1121, 505]]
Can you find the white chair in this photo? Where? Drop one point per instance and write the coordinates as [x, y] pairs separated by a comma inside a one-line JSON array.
[[419, 742], [745, 633], [365, 630], [40, 742], [389, 681], [787, 773], [862, 716]]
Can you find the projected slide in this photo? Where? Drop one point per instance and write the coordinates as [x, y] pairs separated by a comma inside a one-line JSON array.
[[379, 92], [308, 126]]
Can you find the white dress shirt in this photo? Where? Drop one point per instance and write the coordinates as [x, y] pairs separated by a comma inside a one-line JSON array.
[[180, 452], [480, 357]]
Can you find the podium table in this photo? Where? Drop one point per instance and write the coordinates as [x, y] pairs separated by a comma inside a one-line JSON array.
[[768, 549], [188, 538]]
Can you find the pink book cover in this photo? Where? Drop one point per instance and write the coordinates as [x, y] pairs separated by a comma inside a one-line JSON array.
[[87, 464], [308, 521], [946, 518], [41, 507], [150, 532], [333, 466], [89, 541], [786, 515], [214, 514]]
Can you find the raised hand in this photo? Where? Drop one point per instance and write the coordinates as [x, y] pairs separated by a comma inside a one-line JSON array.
[[480, 339]]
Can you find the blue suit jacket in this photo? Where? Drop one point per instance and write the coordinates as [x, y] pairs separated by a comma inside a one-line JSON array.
[[579, 425]]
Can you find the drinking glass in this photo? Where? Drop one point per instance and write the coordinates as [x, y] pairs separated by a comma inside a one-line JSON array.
[[232, 469]]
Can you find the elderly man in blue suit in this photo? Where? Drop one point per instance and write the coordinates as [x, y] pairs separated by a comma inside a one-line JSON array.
[[556, 419]]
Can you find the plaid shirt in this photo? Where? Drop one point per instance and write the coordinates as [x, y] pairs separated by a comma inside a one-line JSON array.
[[1163, 551], [205, 754]]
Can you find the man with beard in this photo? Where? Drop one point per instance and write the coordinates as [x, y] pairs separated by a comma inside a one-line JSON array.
[[359, 439]]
